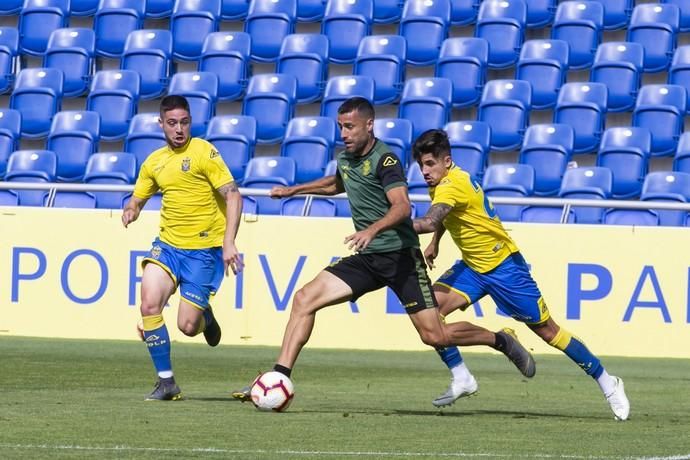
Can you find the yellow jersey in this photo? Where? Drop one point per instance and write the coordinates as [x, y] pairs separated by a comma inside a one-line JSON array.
[[472, 223], [192, 213]]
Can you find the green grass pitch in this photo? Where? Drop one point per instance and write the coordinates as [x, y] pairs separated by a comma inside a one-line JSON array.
[[84, 399]]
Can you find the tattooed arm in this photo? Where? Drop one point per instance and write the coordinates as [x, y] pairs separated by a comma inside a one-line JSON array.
[[433, 220], [233, 212]]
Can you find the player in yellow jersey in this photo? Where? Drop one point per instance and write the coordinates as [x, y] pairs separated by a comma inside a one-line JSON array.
[[200, 216], [491, 263]]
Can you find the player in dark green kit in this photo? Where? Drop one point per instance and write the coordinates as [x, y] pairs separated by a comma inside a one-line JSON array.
[[386, 246]]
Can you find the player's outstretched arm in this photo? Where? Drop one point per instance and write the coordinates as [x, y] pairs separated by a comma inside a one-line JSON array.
[[433, 219], [329, 185], [233, 213], [132, 209]]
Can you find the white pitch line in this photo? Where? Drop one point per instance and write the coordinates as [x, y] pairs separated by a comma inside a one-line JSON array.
[[320, 453]]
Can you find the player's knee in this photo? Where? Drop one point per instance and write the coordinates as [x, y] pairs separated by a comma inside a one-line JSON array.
[[149, 308], [188, 328], [301, 302], [433, 339]]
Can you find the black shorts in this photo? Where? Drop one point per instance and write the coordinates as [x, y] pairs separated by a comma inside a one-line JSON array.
[[403, 271]]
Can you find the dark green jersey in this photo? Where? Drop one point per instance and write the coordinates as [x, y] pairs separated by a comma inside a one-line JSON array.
[[367, 179]]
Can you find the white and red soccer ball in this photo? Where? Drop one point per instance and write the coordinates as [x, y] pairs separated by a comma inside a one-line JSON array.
[[272, 391]]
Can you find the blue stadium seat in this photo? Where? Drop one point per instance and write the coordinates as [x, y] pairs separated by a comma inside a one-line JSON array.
[[616, 13], [426, 102], [470, 143], [226, 54], [37, 20], [71, 50], [191, 21], [382, 57], [661, 109], [268, 23], [667, 186], [235, 138], [681, 160], [316, 207], [310, 10], [424, 24], [417, 186], [115, 168], [11, 7], [545, 214], [543, 63], [114, 21], [396, 133], [619, 65], [464, 60], [201, 91], [9, 48], [10, 129], [144, 136], [655, 27], [156, 9], [346, 18], [540, 13], [679, 72], [266, 172], [547, 148], [271, 100], [583, 106], [74, 137], [79, 200], [502, 24], [625, 151], [589, 183], [305, 57], [505, 106], [509, 180], [388, 11], [83, 7], [114, 95], [341, 88], [233, 10], [684, 8], [149, 52], [38, 96], [634, 217], [309, 141], [31, 166], [579, 23]]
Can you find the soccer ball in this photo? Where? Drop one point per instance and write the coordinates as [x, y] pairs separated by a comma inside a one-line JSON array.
[[272, 391]]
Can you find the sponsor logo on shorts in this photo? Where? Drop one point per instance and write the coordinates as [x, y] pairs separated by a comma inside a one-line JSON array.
[[193, 296]]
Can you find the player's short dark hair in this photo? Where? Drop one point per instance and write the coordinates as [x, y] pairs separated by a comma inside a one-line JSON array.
[[359, 105], [173, 102], [433, 141]]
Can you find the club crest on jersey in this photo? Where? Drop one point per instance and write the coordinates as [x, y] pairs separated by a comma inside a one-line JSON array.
[[185, 164], [390, 161], [156, 252], [366, 167]]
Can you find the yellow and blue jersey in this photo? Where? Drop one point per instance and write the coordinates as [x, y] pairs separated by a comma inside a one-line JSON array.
[[472, 223], [192, 213]]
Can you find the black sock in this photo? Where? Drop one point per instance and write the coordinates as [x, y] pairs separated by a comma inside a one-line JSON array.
[[286, 371], [501, 342]]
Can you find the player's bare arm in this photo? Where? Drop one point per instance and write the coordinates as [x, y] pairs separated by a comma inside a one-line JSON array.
[[398, 212], [132, 210], [233, 213], [328, 185], [433, 219]]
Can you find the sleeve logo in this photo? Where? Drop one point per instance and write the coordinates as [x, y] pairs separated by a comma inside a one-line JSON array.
[[214, 153], [390, 161]]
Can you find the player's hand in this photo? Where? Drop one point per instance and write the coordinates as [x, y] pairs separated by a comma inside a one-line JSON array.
[[430, 254], [232, 259], [128, 216], [360, 240], [281, 192]]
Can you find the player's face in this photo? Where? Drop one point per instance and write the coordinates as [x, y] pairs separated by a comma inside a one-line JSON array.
[[176, 124], [357, 132], [434, 169]]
